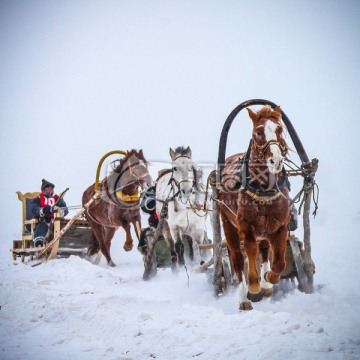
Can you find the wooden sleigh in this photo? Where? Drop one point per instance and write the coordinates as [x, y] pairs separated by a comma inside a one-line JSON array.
[[72, 242]]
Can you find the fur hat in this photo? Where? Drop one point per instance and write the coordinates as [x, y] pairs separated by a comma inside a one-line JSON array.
[[46, 183]]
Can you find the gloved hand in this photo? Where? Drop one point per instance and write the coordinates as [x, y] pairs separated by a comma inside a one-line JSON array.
[[58, 210], [47, 210]]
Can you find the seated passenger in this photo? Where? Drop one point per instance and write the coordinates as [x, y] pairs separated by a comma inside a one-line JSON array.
[[43, 208]]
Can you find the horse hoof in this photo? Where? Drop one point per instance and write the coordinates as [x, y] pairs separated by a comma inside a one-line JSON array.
[[111, 263], [255, 297], [146, 276], [174, 268], [128, 247], [245, 306], [267, 292], [93, 259]]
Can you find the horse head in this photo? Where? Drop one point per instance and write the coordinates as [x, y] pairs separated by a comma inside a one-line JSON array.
[[130, 174], [267, 139], [183, 173], [135, 170]]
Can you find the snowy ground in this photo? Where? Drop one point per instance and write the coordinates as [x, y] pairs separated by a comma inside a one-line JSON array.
[[87, 77], [71, 308]]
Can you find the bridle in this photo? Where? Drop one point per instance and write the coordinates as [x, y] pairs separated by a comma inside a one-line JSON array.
[[262, 148], [177, 192], [131, 167], [177, 183]]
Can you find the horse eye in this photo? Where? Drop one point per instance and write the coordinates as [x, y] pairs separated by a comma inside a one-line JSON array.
[[175, 168]]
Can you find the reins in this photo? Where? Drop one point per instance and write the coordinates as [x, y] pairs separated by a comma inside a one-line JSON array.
[[306, 171]]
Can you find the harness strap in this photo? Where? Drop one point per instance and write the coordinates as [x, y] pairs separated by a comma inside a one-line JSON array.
[[257, 192]]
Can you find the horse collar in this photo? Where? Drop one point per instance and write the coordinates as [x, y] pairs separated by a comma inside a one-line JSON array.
[[128, 198]]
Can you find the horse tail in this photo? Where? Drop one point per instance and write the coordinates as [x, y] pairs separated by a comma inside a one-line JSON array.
[[94, 246]]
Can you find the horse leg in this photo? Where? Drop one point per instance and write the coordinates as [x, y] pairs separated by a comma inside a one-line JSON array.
[[109, 234], [198, 238], [180, 251], [233, 240], [251, 248], [93, 254], [128, 245], [189, 256], [185, 250], [267, 288], [101, 235], [278, 245], [179, 244], [171, 245]]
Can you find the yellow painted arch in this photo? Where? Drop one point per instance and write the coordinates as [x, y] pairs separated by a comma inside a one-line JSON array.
[[101, 162]]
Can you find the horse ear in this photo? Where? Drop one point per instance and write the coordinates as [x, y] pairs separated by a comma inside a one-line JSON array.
[[188, 151], [252, 115], [141, 153], [277, 109], [172, 153]]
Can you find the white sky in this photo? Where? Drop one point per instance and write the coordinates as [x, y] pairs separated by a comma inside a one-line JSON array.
[[79, 79]]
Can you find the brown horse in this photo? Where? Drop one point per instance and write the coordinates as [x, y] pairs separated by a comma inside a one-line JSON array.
[[118, 205], [254, 206]]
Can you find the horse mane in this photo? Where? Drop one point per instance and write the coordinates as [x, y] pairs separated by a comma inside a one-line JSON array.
[[181, 150], [268, 113], [138, 154]]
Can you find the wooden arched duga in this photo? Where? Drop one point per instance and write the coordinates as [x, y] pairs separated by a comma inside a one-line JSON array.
[[120, 152], [305, 266], [225, 130]]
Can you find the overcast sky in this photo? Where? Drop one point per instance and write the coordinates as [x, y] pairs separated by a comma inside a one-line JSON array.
[[81, 78]]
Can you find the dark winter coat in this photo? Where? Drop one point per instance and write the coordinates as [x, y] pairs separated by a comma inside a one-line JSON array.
[[38, 203]]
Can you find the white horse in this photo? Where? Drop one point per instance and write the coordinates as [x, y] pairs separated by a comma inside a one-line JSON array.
[[181, 188]]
